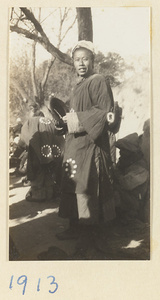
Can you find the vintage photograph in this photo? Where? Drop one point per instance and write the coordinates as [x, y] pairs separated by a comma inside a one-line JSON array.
[[79, 133]]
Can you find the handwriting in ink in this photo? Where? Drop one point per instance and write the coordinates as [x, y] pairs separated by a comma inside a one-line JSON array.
[[53, 282], [22, 280]]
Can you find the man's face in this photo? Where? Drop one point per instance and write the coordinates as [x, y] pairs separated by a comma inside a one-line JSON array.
[[83, 62]]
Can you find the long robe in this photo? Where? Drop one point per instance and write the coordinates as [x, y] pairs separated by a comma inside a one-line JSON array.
[[87, 166]]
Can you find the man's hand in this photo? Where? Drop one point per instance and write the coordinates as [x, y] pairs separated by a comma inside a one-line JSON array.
[[65, 119]]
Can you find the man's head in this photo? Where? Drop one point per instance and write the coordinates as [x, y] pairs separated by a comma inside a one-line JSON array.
[[83, 58]]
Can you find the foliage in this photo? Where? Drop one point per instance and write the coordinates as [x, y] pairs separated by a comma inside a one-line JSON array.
[[20, 89], [133, 95], [16, 106], [62, 76], [112, 66], [59, 81]]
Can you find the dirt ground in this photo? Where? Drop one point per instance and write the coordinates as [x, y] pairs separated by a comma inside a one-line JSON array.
[[33, 228]]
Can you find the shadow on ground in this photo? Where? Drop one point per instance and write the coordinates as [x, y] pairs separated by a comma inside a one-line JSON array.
[[33, 228]]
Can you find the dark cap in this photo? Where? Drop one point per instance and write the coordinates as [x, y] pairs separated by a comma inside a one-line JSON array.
[[129, 142], [58, 107]]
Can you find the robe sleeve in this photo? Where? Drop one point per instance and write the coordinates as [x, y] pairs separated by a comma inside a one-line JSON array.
[[73, 123], [94, 119], [100, 93]]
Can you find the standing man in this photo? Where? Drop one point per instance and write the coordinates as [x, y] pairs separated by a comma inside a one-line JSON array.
[[87, 192]]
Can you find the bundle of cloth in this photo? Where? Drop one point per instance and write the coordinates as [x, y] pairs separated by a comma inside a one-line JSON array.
[[44, 142], [131, 179]]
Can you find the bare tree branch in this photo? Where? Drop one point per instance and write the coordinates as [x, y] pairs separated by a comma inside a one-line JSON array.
[[45, 43], [26, 33], [30, 16], [60, 36], [33, 65], [12, 10], [33, 56], [64, 15], [51, 62], [48, 15], [69, 28]]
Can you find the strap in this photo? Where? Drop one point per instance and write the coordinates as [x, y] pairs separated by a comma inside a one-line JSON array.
[[110, 92]]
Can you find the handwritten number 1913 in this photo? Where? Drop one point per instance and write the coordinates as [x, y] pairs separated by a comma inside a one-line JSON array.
[[23, 280]]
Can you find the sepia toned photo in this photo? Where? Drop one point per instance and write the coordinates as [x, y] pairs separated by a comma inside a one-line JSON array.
[[79, 133]]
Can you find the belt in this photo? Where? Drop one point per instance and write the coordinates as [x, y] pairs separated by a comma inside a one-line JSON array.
[[77, 134]]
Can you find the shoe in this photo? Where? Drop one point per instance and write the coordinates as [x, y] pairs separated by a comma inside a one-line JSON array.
[[69, 234], [29, 198], [26, 182]]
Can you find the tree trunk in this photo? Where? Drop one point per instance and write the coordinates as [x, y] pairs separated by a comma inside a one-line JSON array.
[[33, 75], [33, 66], [85, 28]]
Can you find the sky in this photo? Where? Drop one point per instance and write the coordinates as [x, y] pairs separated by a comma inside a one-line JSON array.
[[124, 30]]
